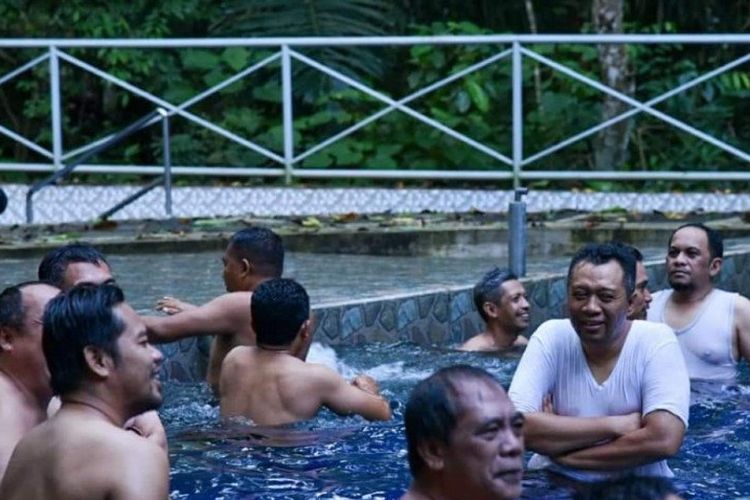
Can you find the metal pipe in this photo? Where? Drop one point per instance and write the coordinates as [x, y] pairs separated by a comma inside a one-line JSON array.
[[517, 115], [353, 41], [288, 117], [54, 90], [167, 161], [517, 233]]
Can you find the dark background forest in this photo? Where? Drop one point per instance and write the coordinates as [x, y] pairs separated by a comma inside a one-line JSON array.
[[555, 106]]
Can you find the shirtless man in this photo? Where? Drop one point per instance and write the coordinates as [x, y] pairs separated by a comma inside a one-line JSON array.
[[252, 256], [105, 372], [713, 326], [79, 263], [604, 396], [464, 438], [270, 385], [501, 302], [25, 389]]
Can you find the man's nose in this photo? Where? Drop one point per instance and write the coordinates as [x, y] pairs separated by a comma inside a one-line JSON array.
[[511, 444]]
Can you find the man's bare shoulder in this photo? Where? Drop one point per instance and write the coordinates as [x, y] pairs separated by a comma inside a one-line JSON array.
[[481, 342], [742, 305]]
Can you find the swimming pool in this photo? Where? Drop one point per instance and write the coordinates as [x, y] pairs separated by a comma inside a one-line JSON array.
[[332, 457], [350, 458]]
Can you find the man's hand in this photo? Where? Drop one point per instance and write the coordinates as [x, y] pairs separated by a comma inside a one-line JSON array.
[[367, 384], [171, 305], [627, 423]]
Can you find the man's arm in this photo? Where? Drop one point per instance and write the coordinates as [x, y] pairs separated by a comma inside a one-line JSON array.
[[742, 328], [552, 435], [150, 427], [226, 314], [659, 438], [361, 396]]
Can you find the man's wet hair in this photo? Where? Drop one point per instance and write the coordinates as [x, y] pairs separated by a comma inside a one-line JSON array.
[[278, 308], [488, 288], [433, 409], [55, 262], [602, 253], [83, 316], [260, 246], [12, 312], [628, 488], [637, 255], [715, 240]]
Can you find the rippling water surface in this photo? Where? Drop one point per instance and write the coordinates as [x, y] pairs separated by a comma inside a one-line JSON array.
[[333, 457]]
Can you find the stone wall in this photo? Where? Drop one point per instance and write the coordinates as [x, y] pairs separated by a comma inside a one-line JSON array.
[[444, 317]]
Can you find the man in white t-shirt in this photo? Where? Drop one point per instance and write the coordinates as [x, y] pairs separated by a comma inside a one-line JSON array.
[[603, 396]]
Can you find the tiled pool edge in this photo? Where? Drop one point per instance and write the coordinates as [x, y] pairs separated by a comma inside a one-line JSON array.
[[441, 316]]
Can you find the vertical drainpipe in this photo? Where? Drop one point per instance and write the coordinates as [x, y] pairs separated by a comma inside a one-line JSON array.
[[286, 101], [166, 148], [517, 233]]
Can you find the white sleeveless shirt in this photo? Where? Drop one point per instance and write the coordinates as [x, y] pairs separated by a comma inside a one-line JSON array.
[[706, 342]]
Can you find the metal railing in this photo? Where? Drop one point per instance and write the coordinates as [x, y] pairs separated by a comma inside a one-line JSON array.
[[289, 158], [140, 124]]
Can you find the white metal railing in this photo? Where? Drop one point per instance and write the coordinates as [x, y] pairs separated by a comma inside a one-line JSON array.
[[289, 157]]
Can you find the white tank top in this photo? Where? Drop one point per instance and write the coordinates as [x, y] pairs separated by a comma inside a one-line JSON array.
[[706, 342]]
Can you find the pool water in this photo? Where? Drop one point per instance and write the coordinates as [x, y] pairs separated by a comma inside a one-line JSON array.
[[334, 457]]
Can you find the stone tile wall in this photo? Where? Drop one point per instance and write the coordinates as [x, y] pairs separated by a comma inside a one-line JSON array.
[[443, 317]]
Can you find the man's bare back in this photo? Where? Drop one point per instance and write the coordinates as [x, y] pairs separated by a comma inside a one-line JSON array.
[[272, 387], [77, 455], [18, 415]]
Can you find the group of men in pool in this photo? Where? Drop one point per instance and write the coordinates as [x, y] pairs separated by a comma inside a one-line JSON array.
[[599, 395]]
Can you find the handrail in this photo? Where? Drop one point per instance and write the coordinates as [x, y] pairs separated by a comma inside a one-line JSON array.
[[137, 125], [511, 165]]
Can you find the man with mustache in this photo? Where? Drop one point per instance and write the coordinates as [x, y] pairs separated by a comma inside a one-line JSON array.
[[713, 326], [501, 302], [604, 396]]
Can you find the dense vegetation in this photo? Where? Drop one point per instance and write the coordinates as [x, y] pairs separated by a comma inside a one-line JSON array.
[[478, 105]]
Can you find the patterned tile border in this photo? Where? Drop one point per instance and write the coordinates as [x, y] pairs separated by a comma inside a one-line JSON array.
[[59, 204]]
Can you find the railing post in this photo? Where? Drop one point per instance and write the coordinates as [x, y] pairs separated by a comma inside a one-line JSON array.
[[517, 114], [286, 101], [54, 90], [167, 161]]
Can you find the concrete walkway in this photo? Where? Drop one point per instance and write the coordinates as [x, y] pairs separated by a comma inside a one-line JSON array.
[[59, 204]]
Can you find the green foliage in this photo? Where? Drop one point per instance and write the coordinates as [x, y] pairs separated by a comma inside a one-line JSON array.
[[477, 105]]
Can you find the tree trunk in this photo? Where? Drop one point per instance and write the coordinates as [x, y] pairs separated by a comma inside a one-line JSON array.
[[611, 145]]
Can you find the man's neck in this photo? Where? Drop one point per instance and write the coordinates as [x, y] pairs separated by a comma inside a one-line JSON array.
[[25, 394], [425, 490], [691, 295], [95, 406], [603, 354], [502, 337]]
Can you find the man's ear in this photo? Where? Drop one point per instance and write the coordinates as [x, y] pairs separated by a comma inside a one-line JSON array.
[[247, 267], [714, 267], [432, 453], [6, 339], [98, 361], [490, 309], [631, 303]]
